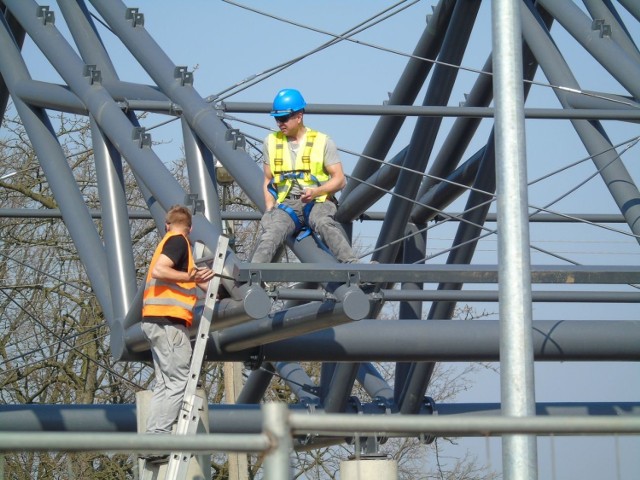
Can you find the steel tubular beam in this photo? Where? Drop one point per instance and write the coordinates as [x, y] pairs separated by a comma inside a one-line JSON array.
[[582, 111], [245, 418], [609, 54], [456, 341], [340, 387], [605, 11], [176, 83], [458, 139], [584, 296], [425, 131], [374, 384], [337, 425], [632, 6], [55, 165], [438, 197], [117, 236], [374, 216], [517, 391], [256, 384], [127, 442], [298, 381], [284, 324], [379, 273], [613, 172], [404, 93], [17, 34]]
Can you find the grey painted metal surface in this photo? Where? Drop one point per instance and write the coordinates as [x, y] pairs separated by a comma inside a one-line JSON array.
[[312, 331], [241, 419]]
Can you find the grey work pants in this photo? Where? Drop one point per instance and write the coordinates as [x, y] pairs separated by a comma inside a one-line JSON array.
[[276, 225], [171, 351]]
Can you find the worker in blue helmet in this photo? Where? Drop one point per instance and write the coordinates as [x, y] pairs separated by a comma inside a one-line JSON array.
[[302, 174]]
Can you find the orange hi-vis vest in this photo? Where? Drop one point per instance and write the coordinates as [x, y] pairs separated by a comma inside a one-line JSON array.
[[169, 299]]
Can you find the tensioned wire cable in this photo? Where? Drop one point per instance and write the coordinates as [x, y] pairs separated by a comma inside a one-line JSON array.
[[258, 77], [62, 340], [42, 347], [354, 30], [336, 37], [346, 36], [627, 143], [489, 232]]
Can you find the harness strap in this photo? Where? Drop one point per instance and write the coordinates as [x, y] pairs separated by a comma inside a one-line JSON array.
[[306, 157], [306, 154], [302, 228], [278, 158]]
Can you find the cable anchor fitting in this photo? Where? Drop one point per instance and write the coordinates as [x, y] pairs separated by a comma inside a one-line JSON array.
[[48, 17], [137, 19]]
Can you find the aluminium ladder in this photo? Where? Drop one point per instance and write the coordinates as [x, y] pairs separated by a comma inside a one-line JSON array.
[[189, 415]]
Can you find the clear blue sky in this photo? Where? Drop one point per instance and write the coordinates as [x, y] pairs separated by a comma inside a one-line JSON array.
[[227, 44]]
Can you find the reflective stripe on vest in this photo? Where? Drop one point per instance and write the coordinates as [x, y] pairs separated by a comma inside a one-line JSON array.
[[169, 299], [283, 169]]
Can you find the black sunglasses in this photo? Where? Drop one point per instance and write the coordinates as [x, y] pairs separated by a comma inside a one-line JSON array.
[[284, 118]]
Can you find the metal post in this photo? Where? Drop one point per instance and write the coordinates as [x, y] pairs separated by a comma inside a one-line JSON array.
[[276, 426], [519, 452], [238, 462]]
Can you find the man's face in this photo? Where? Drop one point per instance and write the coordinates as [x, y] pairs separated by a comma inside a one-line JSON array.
[[289, 124]]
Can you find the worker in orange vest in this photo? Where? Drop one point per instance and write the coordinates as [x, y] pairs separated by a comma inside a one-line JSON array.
[[169, 297]]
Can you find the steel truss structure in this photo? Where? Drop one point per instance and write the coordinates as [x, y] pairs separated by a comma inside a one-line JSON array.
[[329, 315]]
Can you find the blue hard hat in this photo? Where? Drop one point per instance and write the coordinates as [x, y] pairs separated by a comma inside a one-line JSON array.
[[288, 100]]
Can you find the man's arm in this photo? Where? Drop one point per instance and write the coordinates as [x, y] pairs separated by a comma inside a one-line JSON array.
[[164, 269], [269, 200]]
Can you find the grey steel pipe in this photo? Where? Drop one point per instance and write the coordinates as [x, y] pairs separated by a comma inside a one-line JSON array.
[[284, 324], [624, 67], [425, 131], [117, 233], [517, 392], [132, 442], [610, 113], [245, 418], [275, 424], [335, 425], [340, 387], [373, 216], [379, 273], [404, 93], [256, 384], [57, 170], [254, 304], [610, 167], [456, 341], [298, 381], [374, 384]]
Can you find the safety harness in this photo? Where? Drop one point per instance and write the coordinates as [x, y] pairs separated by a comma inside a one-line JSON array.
[[288, 177]]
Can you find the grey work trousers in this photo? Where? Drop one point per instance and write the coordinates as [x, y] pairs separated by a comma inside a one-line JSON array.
[[276, 225], [171, 351]]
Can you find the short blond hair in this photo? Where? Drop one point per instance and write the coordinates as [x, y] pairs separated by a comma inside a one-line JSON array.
[[179, 215]]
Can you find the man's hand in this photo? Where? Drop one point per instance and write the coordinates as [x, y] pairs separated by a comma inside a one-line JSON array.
[[309, 195], [201, 274]]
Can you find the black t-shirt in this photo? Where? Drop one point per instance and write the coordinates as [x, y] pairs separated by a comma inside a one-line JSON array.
[[177, 249]]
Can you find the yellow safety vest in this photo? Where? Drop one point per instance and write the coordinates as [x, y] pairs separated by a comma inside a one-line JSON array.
[[311, 158], [169, 299]]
